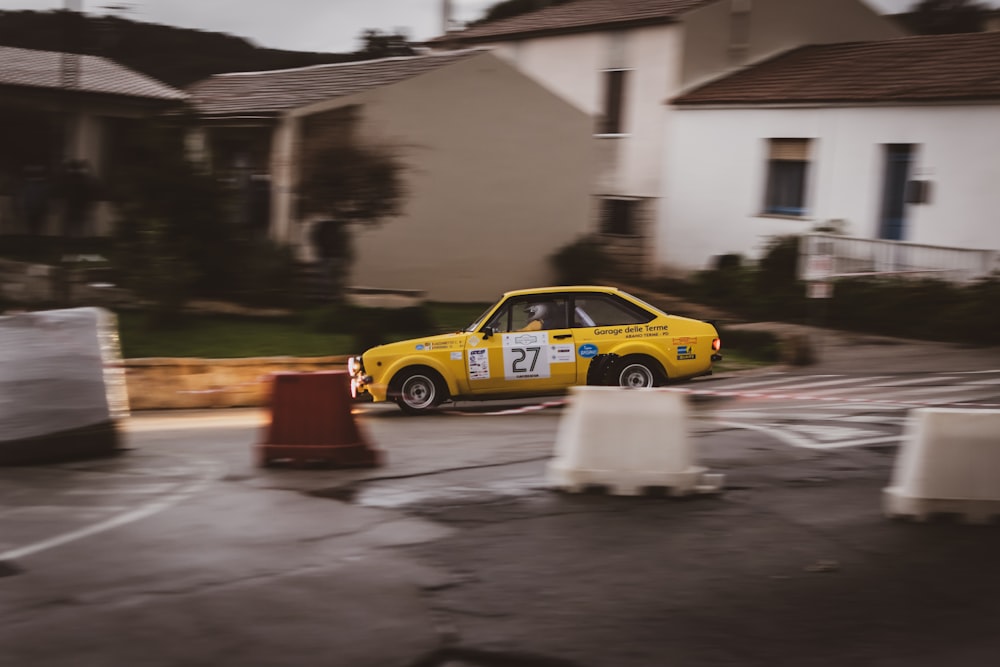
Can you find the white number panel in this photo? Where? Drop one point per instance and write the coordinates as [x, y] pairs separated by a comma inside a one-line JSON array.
[[526, 355]]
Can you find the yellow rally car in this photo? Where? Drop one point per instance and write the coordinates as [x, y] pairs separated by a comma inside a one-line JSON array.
[[538, 342]]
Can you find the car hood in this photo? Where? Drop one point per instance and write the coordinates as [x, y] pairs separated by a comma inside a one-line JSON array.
[[448, 341]]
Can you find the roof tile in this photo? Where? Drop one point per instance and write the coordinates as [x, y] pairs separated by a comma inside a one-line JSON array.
[[576, 15], [44, 69], [269, 93], [909, 69]]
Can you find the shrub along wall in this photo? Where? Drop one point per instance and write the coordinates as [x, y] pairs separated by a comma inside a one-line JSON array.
[[894, 306]]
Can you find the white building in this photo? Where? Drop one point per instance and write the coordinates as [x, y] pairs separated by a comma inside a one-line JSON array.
[[621, 60], [895, 139]]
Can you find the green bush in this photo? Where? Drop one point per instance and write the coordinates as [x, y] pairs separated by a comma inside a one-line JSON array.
[[371, 322], [269, 277], [581, 262], [759, 345]]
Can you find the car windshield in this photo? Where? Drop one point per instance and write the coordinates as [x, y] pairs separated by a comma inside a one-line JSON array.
[[479, 320]]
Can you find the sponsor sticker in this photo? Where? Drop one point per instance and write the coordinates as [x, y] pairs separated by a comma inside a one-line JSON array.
[[456, 356], [587, 350], [479, 364], [560, 354]]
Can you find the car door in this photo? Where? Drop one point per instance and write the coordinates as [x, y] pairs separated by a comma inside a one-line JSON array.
[[601, 322], [513, 355]]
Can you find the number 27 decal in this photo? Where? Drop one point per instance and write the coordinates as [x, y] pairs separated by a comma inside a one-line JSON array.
[[522, 357]]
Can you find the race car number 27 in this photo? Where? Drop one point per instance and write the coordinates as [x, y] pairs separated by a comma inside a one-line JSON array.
[[525, 355], [526, 360]]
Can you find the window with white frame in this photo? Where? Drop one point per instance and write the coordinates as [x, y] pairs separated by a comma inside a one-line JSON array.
[[787, 174], [618, 216], [612, 119]]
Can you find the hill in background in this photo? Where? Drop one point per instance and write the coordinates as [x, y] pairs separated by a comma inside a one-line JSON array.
[[177, 56]]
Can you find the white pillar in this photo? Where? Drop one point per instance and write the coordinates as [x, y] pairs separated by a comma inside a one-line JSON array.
[[284, 177]]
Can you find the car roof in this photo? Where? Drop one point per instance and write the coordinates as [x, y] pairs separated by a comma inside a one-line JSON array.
[[562, 289]]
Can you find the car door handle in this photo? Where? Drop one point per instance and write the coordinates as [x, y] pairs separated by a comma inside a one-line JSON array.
[[559, 336]]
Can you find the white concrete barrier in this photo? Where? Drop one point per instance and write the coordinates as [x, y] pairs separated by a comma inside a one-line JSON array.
[[949, 463], [627, 441], [62, 386]]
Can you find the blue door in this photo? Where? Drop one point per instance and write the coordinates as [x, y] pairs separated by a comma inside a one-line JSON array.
[[898, 158]]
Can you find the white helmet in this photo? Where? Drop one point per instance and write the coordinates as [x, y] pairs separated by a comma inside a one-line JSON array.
[[536, 311]]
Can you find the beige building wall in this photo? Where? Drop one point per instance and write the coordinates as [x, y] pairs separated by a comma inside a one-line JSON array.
[[725, 35], [498, 172]]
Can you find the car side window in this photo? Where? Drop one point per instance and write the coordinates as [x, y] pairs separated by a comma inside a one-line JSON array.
[[500, 322], [602, 310], [532, 313]]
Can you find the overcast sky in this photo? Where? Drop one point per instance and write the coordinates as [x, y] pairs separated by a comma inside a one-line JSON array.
[[302, 25]]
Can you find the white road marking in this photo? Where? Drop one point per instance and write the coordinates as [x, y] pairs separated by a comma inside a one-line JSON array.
[[786, 437], [137, 489], [924, 379], [36, 512], [932, 391], [826, 433], [212, 470], [862, 442], [826, 383], [846, 390]]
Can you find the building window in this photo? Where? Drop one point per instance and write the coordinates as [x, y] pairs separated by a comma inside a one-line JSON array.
[[613, 117], [739, 29], [618, 216], [787, 171]]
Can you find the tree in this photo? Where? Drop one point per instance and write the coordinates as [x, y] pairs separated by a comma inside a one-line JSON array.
[[347, 184], [378, 44], [937, 17], [172, 235], [509, 8]]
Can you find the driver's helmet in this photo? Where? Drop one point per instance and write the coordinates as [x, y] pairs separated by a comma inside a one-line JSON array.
[[535, 311]]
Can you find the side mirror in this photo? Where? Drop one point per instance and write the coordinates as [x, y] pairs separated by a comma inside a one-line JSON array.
[[487, 332]]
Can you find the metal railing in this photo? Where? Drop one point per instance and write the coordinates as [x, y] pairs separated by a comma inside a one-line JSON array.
[[828, 256]]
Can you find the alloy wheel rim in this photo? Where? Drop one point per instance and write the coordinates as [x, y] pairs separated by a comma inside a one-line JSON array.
[[418, 392], [636, 376]]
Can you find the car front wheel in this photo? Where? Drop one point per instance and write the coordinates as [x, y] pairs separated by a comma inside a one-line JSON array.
[[419, 391], [636, 373]]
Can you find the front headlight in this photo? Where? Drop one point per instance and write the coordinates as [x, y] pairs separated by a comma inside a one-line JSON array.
[[352, 365]]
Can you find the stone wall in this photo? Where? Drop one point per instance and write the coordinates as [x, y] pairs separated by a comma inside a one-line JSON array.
[[173, 383]]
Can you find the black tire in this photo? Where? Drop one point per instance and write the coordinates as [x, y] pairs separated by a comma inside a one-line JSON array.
[[418, 390], [636, 372], [599, 370]]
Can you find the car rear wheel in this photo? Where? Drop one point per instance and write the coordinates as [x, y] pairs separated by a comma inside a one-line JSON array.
[[637, 372], [418, 391]]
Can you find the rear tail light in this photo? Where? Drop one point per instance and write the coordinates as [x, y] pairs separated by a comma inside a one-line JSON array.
[[716, 344]]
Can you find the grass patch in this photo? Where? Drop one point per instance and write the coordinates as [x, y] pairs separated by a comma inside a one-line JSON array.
[[222, 337], [232, 337]]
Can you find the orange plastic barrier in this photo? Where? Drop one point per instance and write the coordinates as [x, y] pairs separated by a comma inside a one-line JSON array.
[[311, 422]]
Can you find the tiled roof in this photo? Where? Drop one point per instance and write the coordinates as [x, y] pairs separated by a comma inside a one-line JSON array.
[[43, 69], [910, 69], [269, 93], [578, 15]]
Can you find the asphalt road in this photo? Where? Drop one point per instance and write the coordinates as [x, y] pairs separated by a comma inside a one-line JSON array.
[[181, 552]]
